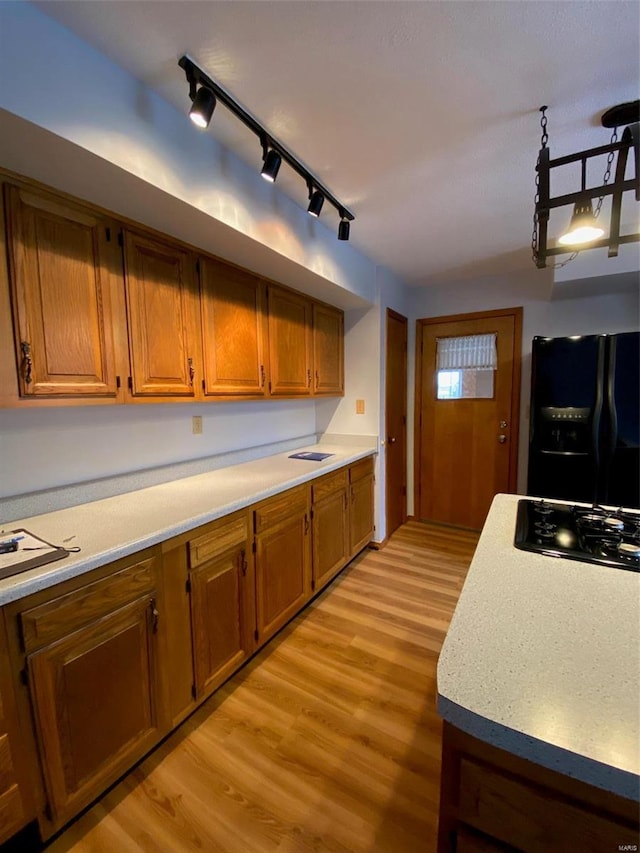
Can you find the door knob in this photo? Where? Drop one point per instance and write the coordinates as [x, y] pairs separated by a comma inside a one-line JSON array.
[[391, 439], [502, 439]]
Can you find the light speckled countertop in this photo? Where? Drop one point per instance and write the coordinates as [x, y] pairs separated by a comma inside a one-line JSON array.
[[116, 527], [542, 659]]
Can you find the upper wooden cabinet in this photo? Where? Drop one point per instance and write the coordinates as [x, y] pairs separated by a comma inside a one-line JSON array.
[[233, 331], [161, 297], [60, 257], [328, 350], [289, 317]]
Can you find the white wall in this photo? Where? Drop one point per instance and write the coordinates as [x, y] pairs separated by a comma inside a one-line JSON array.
[[542, 315], [79, 123]]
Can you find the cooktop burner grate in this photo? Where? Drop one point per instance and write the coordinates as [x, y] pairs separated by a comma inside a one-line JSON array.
[[591, 534]]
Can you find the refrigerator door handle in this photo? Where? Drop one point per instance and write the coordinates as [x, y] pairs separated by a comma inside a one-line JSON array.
[[595, 425]]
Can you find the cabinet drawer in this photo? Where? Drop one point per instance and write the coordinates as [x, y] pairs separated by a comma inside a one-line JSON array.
[[55, 619], [12, 816], [217, 541], [329, 484], [361, 469], [282, 507], [531, 818]]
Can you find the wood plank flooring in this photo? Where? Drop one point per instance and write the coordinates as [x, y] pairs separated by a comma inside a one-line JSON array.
[[328, 740]]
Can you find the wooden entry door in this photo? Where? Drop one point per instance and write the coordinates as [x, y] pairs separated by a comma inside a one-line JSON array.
[[467, 447], [396, 421]]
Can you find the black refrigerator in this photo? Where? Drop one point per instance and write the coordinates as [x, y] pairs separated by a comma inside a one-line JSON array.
[[584, 442]]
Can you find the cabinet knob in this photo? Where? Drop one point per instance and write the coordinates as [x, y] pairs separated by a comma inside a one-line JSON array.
[[391, 440]]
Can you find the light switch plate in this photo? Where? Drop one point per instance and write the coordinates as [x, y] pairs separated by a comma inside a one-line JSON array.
[[196, 424], [359, 407]]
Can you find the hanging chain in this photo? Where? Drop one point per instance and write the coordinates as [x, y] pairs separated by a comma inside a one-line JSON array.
[[607, 171], [607, 176]]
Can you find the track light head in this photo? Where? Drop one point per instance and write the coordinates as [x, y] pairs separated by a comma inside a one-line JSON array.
[[202, 108], [343, 229], [271, 165], [316, 200]]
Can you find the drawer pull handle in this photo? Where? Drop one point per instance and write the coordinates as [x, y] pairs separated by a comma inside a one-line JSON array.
[[262, 376], [309, 378], [306, 524], [192, 372], [243, 562]]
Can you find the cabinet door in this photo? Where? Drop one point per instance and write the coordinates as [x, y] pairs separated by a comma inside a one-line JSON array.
[[328, 350], [233, 336], [220, 611], [283, 560], [361, 508], [289, 343], [330, 523], [161, 293], [95, 704], [61, 290]]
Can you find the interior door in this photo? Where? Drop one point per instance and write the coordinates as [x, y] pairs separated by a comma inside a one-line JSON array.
[[396, 421], [466, 433]]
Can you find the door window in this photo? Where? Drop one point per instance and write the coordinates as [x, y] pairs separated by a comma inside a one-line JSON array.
[[465, 366]]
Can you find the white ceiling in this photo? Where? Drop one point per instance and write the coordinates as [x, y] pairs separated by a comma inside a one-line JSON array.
[[422, 116]]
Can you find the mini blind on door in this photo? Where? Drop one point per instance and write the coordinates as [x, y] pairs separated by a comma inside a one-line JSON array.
[[477, 352]]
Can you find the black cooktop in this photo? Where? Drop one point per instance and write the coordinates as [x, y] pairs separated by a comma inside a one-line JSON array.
[[592, 534]]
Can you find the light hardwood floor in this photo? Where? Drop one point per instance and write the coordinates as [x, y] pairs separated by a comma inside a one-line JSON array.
[[328, 740]]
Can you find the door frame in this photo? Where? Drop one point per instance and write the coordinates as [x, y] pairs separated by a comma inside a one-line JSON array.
[[405, 321], [516, 381]]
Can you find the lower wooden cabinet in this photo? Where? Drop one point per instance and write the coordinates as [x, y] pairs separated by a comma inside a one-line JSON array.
[[102, 670], [15, 807], [491, 800], [283, 559], [221, 586], [92, 667], [360, 505], [330, 516]]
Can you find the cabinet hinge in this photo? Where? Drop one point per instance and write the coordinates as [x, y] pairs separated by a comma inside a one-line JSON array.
[[130, 383], [198, 266], [193, 691], [253, 546], [313, 584], [107, 232], [203, 387], [269, 386], [188, 585], [120, 239], [24, 677], [256, 635], [118, 383], [311, 513], [48, 813]]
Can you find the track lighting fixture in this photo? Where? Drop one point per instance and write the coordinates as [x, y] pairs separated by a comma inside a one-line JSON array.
[[585, 231], [202, 108], [205, 93], [316, 200], [271, 165], [343, 229]]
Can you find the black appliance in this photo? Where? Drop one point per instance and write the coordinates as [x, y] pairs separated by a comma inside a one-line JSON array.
[[590, 534], [584, 442]]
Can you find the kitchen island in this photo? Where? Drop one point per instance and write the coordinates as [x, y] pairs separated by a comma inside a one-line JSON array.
[[539, 688]]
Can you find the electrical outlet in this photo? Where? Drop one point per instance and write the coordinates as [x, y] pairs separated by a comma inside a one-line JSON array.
[[196, 424], [359, 407]]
